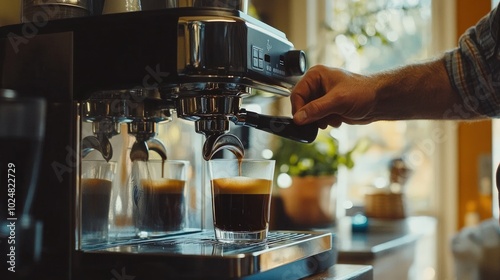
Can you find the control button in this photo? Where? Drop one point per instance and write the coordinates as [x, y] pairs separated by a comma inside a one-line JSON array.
[[255, 62], [295, 62], [257, 58]]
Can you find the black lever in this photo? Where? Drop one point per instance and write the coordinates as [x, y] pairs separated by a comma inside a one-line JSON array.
[[281, 126]]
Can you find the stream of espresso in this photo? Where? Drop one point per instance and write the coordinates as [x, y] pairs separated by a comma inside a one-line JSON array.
[[240, 160]]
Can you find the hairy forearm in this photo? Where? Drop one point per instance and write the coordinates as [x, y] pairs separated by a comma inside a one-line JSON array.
[[418, 91]]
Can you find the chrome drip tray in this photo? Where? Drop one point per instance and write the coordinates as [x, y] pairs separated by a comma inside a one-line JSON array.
[[296, 244], [294, 253]]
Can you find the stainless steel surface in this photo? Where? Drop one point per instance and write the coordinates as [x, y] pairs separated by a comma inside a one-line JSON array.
[[145, 133], [121, 6], [143, 130], [101, 144], [140, 149], [204, 60], [208, 104], [42, 10], [211, 113], [96, 76], [126, 106], [106, 127], [210, 126], [211, 77], [219, 52], [218, 142], [84, 4], [157, 146], [243, 259], [241, 5], [139, 108], [210, 94]]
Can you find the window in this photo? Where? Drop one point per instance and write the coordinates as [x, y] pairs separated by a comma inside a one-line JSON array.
[[366, 36]]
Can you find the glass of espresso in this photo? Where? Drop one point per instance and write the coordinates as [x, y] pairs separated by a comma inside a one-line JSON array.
[[96, 182], [159, 197], [241, 199]]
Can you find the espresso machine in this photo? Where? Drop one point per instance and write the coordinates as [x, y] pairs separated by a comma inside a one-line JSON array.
[[143, 72]]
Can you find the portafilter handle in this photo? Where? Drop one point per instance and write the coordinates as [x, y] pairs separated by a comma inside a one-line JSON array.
[[278, 125]]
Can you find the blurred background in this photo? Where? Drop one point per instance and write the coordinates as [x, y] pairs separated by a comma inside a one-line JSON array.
[[448, 165], [450, 162]]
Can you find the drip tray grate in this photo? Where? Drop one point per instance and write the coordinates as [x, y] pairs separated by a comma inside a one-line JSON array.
[[204, 243], [208, 240], [284, 251]]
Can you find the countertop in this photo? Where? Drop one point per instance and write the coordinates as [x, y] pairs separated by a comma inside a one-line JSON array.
[[345, 272], [385, 243], [383, 237], [373, 245]]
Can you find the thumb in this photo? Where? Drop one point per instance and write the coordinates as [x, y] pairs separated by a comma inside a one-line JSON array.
[[312, 111]]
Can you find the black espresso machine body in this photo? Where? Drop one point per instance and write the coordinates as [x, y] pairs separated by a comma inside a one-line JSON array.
[[136, 69]]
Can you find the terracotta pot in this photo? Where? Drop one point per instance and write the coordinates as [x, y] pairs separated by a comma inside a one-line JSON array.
[[310, 201]]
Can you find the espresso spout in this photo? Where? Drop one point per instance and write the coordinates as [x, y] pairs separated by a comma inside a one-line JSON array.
[[100, 143], [140, 149], [218, 142]]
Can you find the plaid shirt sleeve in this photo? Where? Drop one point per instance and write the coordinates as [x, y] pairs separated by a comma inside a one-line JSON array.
[[474, 66]]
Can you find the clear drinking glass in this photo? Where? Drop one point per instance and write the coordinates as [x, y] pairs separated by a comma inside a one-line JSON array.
[[96, 181], [241, 199], [159, 197], [22, 131]]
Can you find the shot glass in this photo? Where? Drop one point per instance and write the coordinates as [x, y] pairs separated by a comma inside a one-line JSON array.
[[159, 197], [241, 199], [96, 181]]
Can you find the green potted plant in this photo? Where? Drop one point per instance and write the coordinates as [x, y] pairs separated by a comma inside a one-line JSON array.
[[307, 175]]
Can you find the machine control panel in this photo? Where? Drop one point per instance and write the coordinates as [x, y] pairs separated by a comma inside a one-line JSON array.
[[274, 58], [258, 58]]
